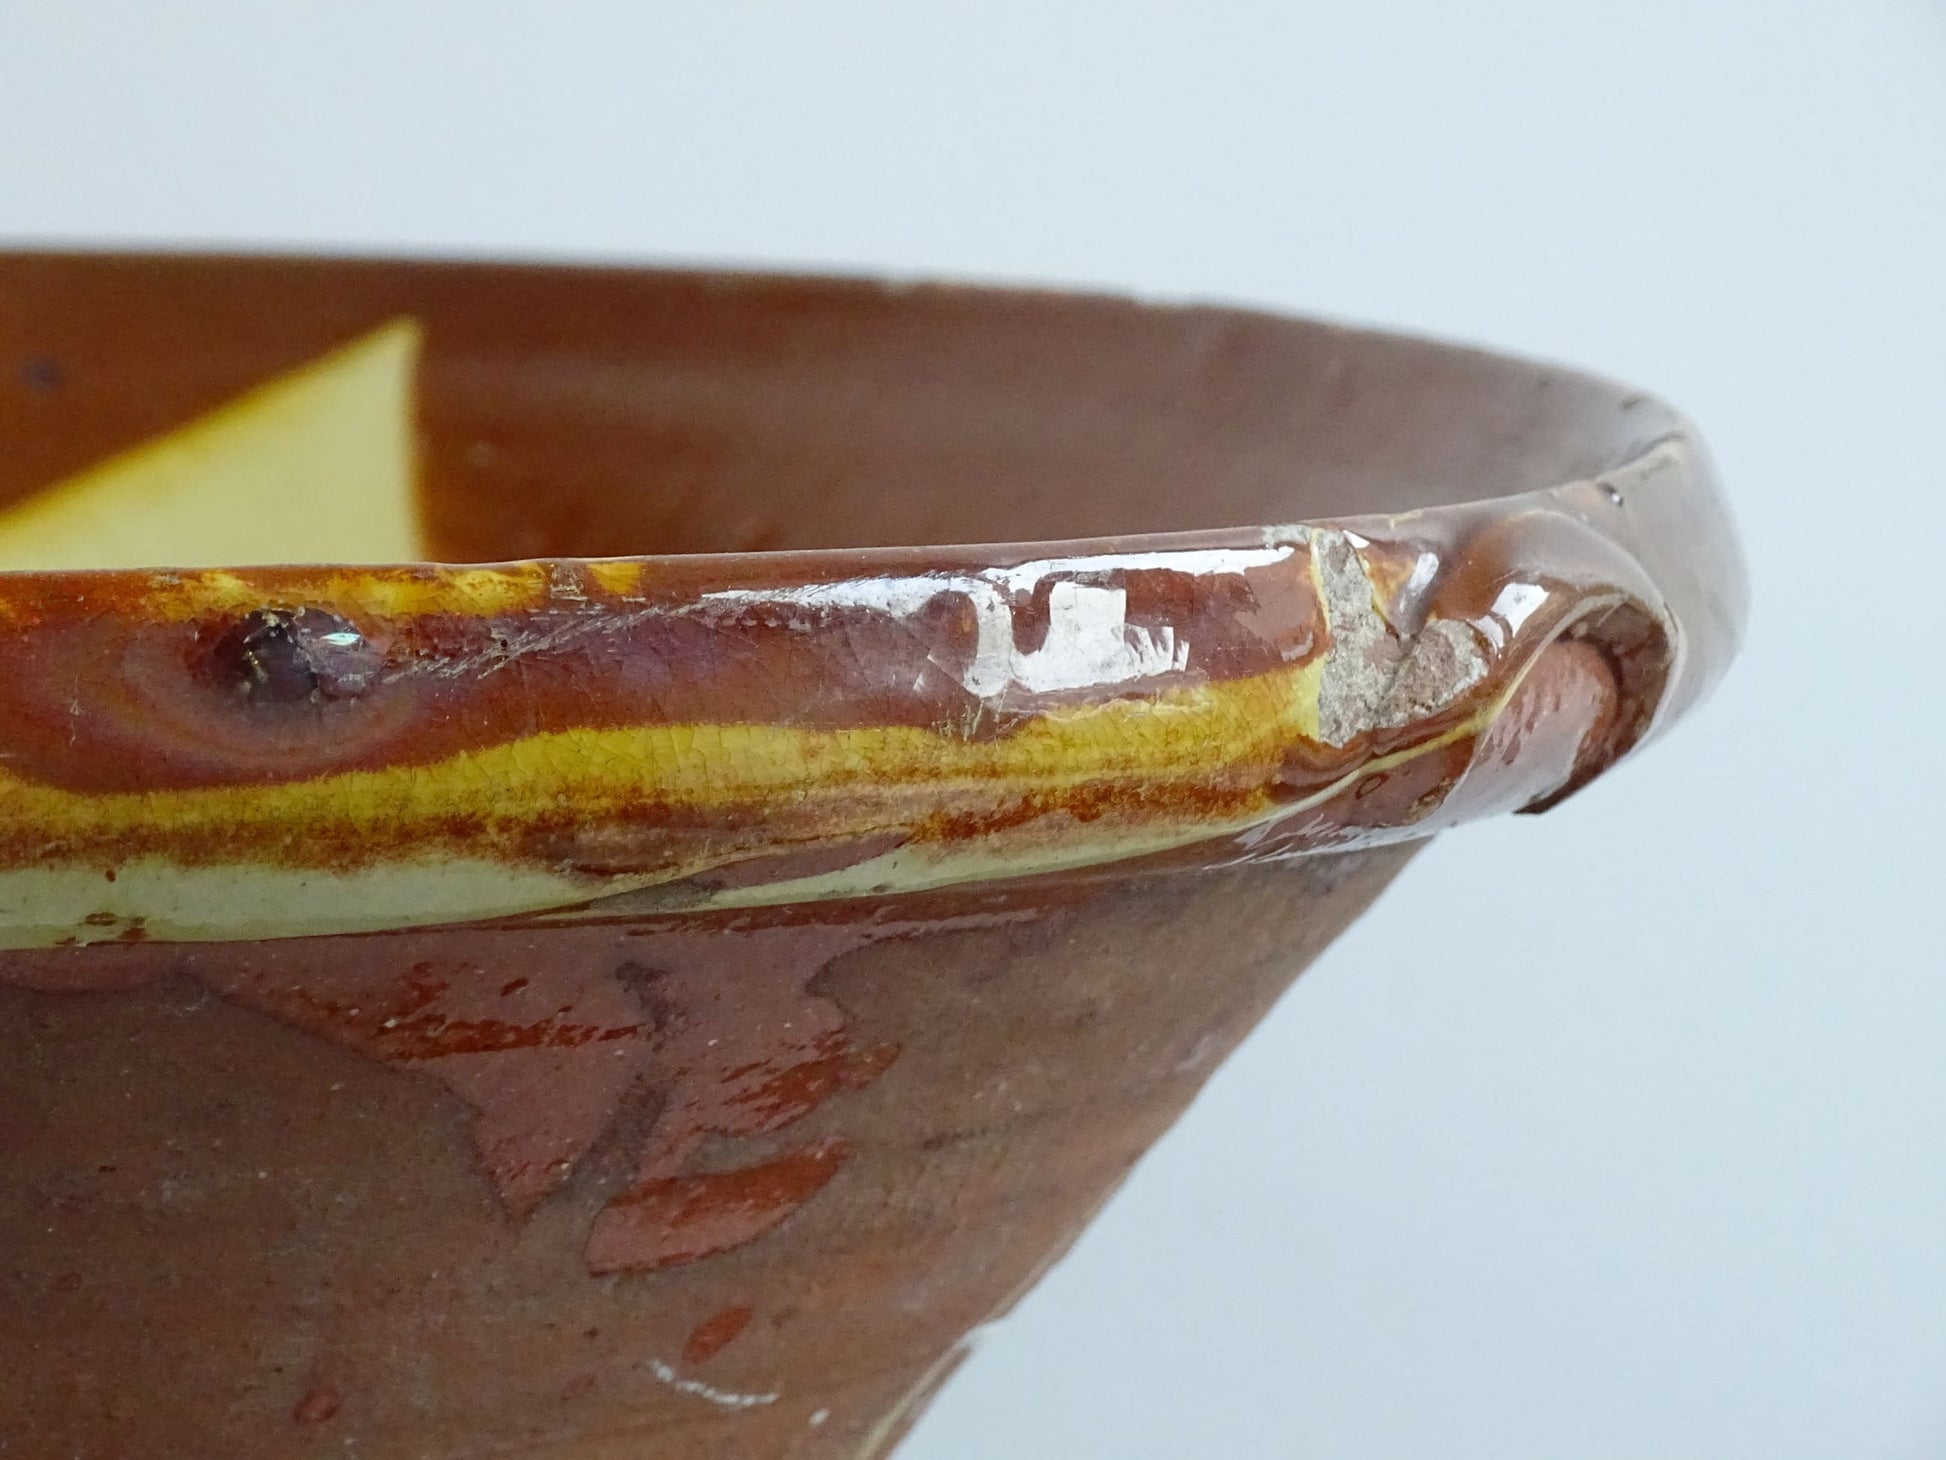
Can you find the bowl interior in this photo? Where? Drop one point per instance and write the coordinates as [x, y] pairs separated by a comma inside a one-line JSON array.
[[580, 412]]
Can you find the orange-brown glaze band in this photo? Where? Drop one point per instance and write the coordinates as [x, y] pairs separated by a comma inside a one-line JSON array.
[[669, 728]]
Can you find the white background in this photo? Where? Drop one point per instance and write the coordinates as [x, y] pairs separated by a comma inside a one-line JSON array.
[[1686, 1197]]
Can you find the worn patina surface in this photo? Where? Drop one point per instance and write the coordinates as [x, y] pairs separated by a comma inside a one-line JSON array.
[[652, 973]]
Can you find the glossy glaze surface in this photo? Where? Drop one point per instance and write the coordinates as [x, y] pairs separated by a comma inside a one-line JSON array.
[[613, 1001], [754, 728]]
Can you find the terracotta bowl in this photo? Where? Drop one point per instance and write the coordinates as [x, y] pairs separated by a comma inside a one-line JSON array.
[[650, 979]]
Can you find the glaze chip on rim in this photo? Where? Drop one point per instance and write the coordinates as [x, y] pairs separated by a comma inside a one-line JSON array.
[[241, 753]]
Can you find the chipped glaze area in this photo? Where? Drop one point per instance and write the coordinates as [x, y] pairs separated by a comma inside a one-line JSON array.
[[255, 754]]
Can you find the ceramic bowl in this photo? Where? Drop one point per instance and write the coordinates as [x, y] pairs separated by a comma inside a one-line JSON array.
[[648, 976]]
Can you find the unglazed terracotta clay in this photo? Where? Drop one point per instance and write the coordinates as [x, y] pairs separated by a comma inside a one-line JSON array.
[[650, 979]]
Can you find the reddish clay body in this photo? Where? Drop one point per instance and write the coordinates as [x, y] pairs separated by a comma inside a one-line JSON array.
[[906, 893]]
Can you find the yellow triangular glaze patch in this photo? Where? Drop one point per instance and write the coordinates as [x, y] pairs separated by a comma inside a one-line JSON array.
[[316, 466]]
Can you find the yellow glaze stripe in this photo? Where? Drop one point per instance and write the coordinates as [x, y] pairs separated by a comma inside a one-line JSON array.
[[1195, 735], [869, 781]]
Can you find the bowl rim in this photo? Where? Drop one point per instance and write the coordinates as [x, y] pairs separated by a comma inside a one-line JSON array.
[[1638, 561]]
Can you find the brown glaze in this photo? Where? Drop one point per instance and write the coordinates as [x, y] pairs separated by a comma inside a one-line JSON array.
[[701, 1149]]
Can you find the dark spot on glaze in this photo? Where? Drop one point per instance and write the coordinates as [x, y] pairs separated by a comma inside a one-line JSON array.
[[277, 656], [42, 375]]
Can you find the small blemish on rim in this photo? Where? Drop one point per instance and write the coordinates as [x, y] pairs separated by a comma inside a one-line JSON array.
[[715, 1334], [278, 656], [42, 375], [318, 1406], [1374, 782]]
